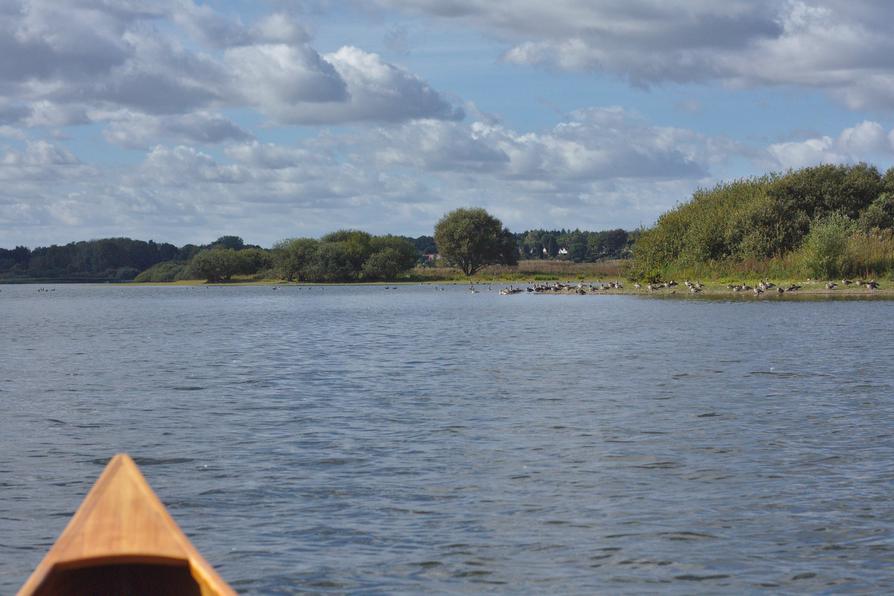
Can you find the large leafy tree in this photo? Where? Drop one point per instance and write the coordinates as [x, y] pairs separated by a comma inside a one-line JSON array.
[[294, 258], [472, 238], [215, 265]]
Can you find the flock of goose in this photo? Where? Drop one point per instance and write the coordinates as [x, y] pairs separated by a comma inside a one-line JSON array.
[[563, 288], [762, 287], [870, 284], [694, 287]]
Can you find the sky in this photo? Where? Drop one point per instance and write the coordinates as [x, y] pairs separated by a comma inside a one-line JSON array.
[[181, 121]]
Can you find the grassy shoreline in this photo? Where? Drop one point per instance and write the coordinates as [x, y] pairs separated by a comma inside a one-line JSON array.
[[533, 272], [712, 289]]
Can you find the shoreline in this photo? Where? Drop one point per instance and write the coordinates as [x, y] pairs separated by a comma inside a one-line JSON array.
[[598, 287]]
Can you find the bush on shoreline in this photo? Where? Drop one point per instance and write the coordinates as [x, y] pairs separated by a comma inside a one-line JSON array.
[[824, 221]]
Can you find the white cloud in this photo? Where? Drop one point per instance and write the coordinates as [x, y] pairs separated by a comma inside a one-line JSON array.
[[274, 157], [799, 154], [141, 131], [64, 61], [39, 154], [599, 168], [11, 132], [183, 166], [277, 77], [863, 142], [842, 46], [865, 138], [298, 86], [593, 144]]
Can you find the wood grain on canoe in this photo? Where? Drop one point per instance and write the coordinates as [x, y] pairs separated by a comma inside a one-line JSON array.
[[123, 540]]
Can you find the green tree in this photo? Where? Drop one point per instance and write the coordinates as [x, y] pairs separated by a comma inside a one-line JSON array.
[[470, 239], [532, 245], [385, 264], [508, 248], [294, 259], [233, 242], [577, 246], [403, 254], [252, 260], [551, 246], [879, 214], [355, 245], [215, 264], [334, 261]]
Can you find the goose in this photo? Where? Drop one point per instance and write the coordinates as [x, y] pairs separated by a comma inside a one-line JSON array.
[[831, 285]]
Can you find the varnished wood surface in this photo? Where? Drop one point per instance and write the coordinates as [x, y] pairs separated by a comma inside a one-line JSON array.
[[120, 534]]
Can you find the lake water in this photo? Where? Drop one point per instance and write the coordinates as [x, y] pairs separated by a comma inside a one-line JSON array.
[[358, 439]]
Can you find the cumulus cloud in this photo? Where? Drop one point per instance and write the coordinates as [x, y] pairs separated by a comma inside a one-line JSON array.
[[592, 144], [269, 156], [598, 168], [279, 77], [70, 63], [863, 142], [842, 46], [39, 153], [135, 130], [380, 91]]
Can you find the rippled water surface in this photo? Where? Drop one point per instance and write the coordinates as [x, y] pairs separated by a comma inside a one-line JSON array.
[[417, 440]]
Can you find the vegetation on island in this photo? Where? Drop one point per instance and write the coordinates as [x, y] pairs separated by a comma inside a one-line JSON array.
[[821, 222]]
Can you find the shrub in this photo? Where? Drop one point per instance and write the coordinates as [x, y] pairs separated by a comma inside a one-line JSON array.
[[869, 254], [825, 248], [163, 272]]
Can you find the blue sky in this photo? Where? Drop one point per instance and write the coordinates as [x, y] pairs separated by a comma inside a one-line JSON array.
[[180, 120]]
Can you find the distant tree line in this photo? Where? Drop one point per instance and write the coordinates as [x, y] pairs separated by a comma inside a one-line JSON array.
[[468, 239], [575, 245], [107, 259]]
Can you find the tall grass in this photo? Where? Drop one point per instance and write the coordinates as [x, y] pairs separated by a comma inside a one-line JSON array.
[[537, 270], [870, 254]]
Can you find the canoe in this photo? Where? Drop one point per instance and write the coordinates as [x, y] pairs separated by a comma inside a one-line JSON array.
[[122, 540]]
